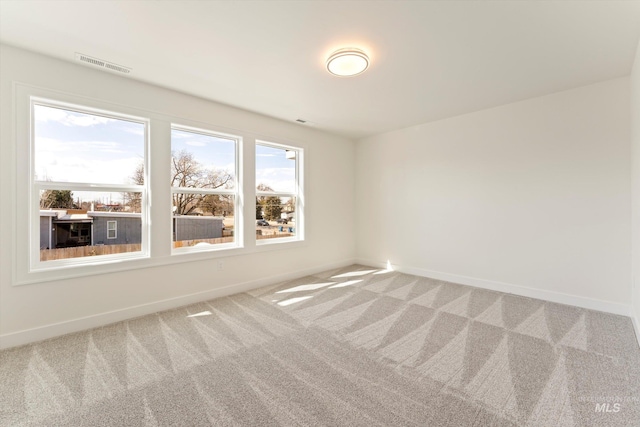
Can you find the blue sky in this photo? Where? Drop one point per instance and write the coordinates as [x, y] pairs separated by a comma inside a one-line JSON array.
[[213, 153], [86, 148], [77, 147], [274, 169]]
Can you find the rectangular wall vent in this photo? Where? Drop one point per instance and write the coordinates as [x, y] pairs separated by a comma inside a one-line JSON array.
[[102, 64]]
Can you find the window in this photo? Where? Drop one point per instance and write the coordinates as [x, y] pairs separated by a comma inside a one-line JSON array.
[[279, 215], [88, 166], [112, 229], [84, 190], [204, 189]]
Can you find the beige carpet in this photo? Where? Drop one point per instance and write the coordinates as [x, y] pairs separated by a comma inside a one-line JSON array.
[[356, 346]]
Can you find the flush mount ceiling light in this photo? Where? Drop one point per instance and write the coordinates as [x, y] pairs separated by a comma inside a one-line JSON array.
[[347, 62]]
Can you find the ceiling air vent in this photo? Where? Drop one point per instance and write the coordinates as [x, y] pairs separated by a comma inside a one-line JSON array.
[[301, 121], [102, 64]]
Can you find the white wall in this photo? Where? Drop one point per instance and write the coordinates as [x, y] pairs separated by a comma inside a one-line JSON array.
[[40, 310], [635, 147], [531, 198]]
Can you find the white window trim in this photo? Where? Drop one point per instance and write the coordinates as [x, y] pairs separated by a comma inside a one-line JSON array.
[[238, 235], [27, 267], [298, 195], [36, 186], [158, 251], [114, 229]]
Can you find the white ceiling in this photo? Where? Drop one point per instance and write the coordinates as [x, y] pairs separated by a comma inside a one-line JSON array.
[[429, 59]]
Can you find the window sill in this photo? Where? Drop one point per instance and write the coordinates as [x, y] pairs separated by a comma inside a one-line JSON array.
[[118, 264], [276, 244], [204, 252]]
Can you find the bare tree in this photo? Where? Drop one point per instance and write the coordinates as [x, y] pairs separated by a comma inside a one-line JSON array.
[[218, 204], [134, 200], [187, 172]]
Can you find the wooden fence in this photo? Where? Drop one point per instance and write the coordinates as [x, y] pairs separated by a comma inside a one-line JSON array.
[[84, 251], [273, 236], [187, 243]]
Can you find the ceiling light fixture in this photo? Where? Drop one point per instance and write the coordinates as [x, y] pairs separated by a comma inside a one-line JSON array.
[[347, 62]]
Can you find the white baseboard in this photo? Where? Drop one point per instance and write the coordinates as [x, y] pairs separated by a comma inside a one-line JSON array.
[[57, 329], [557, 297]]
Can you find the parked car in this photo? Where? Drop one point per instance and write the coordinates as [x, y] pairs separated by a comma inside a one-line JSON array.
[[282, 221], [262, 223]]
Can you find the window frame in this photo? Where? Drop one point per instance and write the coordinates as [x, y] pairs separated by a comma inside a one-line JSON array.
[[36, 186], [236, 192], [157, 200], [114, 229], [298, 195]]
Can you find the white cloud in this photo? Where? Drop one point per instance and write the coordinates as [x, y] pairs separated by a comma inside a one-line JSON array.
[[55, 145], [280, 179], [195, 143], [68, 118], [84, 161], [77, 169]]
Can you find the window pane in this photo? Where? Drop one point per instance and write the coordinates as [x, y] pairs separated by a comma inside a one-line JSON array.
[[275, 217], [78, 147], [201, 161], [211, 222], [275, 169], [91, 200], [77, 224], [112, 229]]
